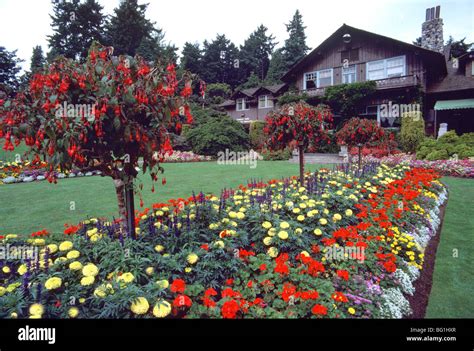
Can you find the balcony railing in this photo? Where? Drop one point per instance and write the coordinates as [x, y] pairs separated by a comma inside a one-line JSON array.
[[387, 83]]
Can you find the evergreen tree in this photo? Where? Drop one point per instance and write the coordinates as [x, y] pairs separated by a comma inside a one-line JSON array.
[[9, 68], [191, 58], [153, 48], [129, 28], [277, 68], [76, 25], [253, 81], [255, 53], [458, 47], [37, 59], [220, 62], [295, 46]]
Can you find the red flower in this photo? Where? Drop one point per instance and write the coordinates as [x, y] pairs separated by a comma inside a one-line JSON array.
[[208, 302], [229, 282], [210, 292], [390, 266], [339, 296], [178, 286], [319, 310], [343, 274], [182, 300], [229, 309], [205, 247], [263, 267]]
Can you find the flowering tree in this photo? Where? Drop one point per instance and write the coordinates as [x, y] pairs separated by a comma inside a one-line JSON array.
[[109, 114], [298, 124], [359, 132]]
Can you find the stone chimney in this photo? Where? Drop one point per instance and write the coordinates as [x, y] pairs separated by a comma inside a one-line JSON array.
[[432, 30]]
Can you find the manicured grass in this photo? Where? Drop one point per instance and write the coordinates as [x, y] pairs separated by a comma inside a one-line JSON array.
[[28, 207], [453, 278]]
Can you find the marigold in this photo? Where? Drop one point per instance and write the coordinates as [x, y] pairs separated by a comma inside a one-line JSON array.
[[53, 283], [90, 270], [140, 306], [162, 309]]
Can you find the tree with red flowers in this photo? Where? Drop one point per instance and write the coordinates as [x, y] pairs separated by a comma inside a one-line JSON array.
[[298, 124], [109, 114], [360, 132]]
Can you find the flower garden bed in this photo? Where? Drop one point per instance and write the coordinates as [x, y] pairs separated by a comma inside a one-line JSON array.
[[345, 246], [185, 156], [454, 168]]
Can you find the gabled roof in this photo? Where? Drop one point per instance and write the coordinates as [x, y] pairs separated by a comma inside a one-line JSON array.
[[454, 80], [434, 56], [252, 92]]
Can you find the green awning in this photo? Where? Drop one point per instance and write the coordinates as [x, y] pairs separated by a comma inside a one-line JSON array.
[[454, 104]]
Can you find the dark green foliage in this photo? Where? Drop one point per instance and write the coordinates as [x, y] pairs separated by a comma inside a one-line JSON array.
[[458, 47], [290, 97], [276, 155], [218, 134], [295, 46], [76, 25], [345, 98], [191, 57], [255, 53], [9, 68], [37, 59], [277, 68]]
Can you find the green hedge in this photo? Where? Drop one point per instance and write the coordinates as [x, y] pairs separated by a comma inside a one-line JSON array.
[[447, 146], [412, 132]]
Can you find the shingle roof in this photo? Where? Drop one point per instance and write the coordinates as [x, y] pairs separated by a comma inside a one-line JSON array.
[[454, 80]]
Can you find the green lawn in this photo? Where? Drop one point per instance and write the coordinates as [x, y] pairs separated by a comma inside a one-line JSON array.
[[453, 279], [29, 207]]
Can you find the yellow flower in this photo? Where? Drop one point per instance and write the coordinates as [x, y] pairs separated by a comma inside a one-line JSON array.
[[272, 252], [300, 218], [240, 215], [323, 221], [266, 225], [232, 214], [305, 253], [82, 300], [220, 244], [336, 217], [90, 270], [36, 309], [348, 212], [149, 270], [351, 310], [159, 248], [272, 232], [100, 292], [39, 242], [53, 283], [73, 312], [298, 230], [53, 248], [188, 269], [75, 266], [14, 315], [162, 309], [140, 306], [86, 281], [318, 231], [73, 254], [267, 240], [284, 225], [91, 232], [163, 284], [192, 258], [65, 246], [35, 316], [126, 278], [283, 234], [22, 269], [6, 269]]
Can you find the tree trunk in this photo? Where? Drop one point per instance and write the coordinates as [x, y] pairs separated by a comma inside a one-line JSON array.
[[301, 157], [120, 192]]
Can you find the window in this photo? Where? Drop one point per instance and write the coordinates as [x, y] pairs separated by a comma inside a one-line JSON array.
[[350, 55], [264, 101], [241, 104], [318, 79], [382, 69], [349, 74], [472, 68]]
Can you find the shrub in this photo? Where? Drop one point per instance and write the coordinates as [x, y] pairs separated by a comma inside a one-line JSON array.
[[217, 135], [276, 155], [437, 155], [257, 136], [412, 131]]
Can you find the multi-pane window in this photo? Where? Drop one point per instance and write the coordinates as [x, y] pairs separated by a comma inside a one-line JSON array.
[[349, 74], [241, 104], [392, 67], [264, 101], [318, 79]]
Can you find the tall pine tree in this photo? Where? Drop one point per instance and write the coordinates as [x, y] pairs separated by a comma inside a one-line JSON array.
[[9, 68], [295, 46], [191, 58], [255, 53], [37, 59], [220, 62], [76, 25], [277, 67]]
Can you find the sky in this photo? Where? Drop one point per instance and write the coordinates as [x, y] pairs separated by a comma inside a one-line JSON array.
[[26, 23]]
